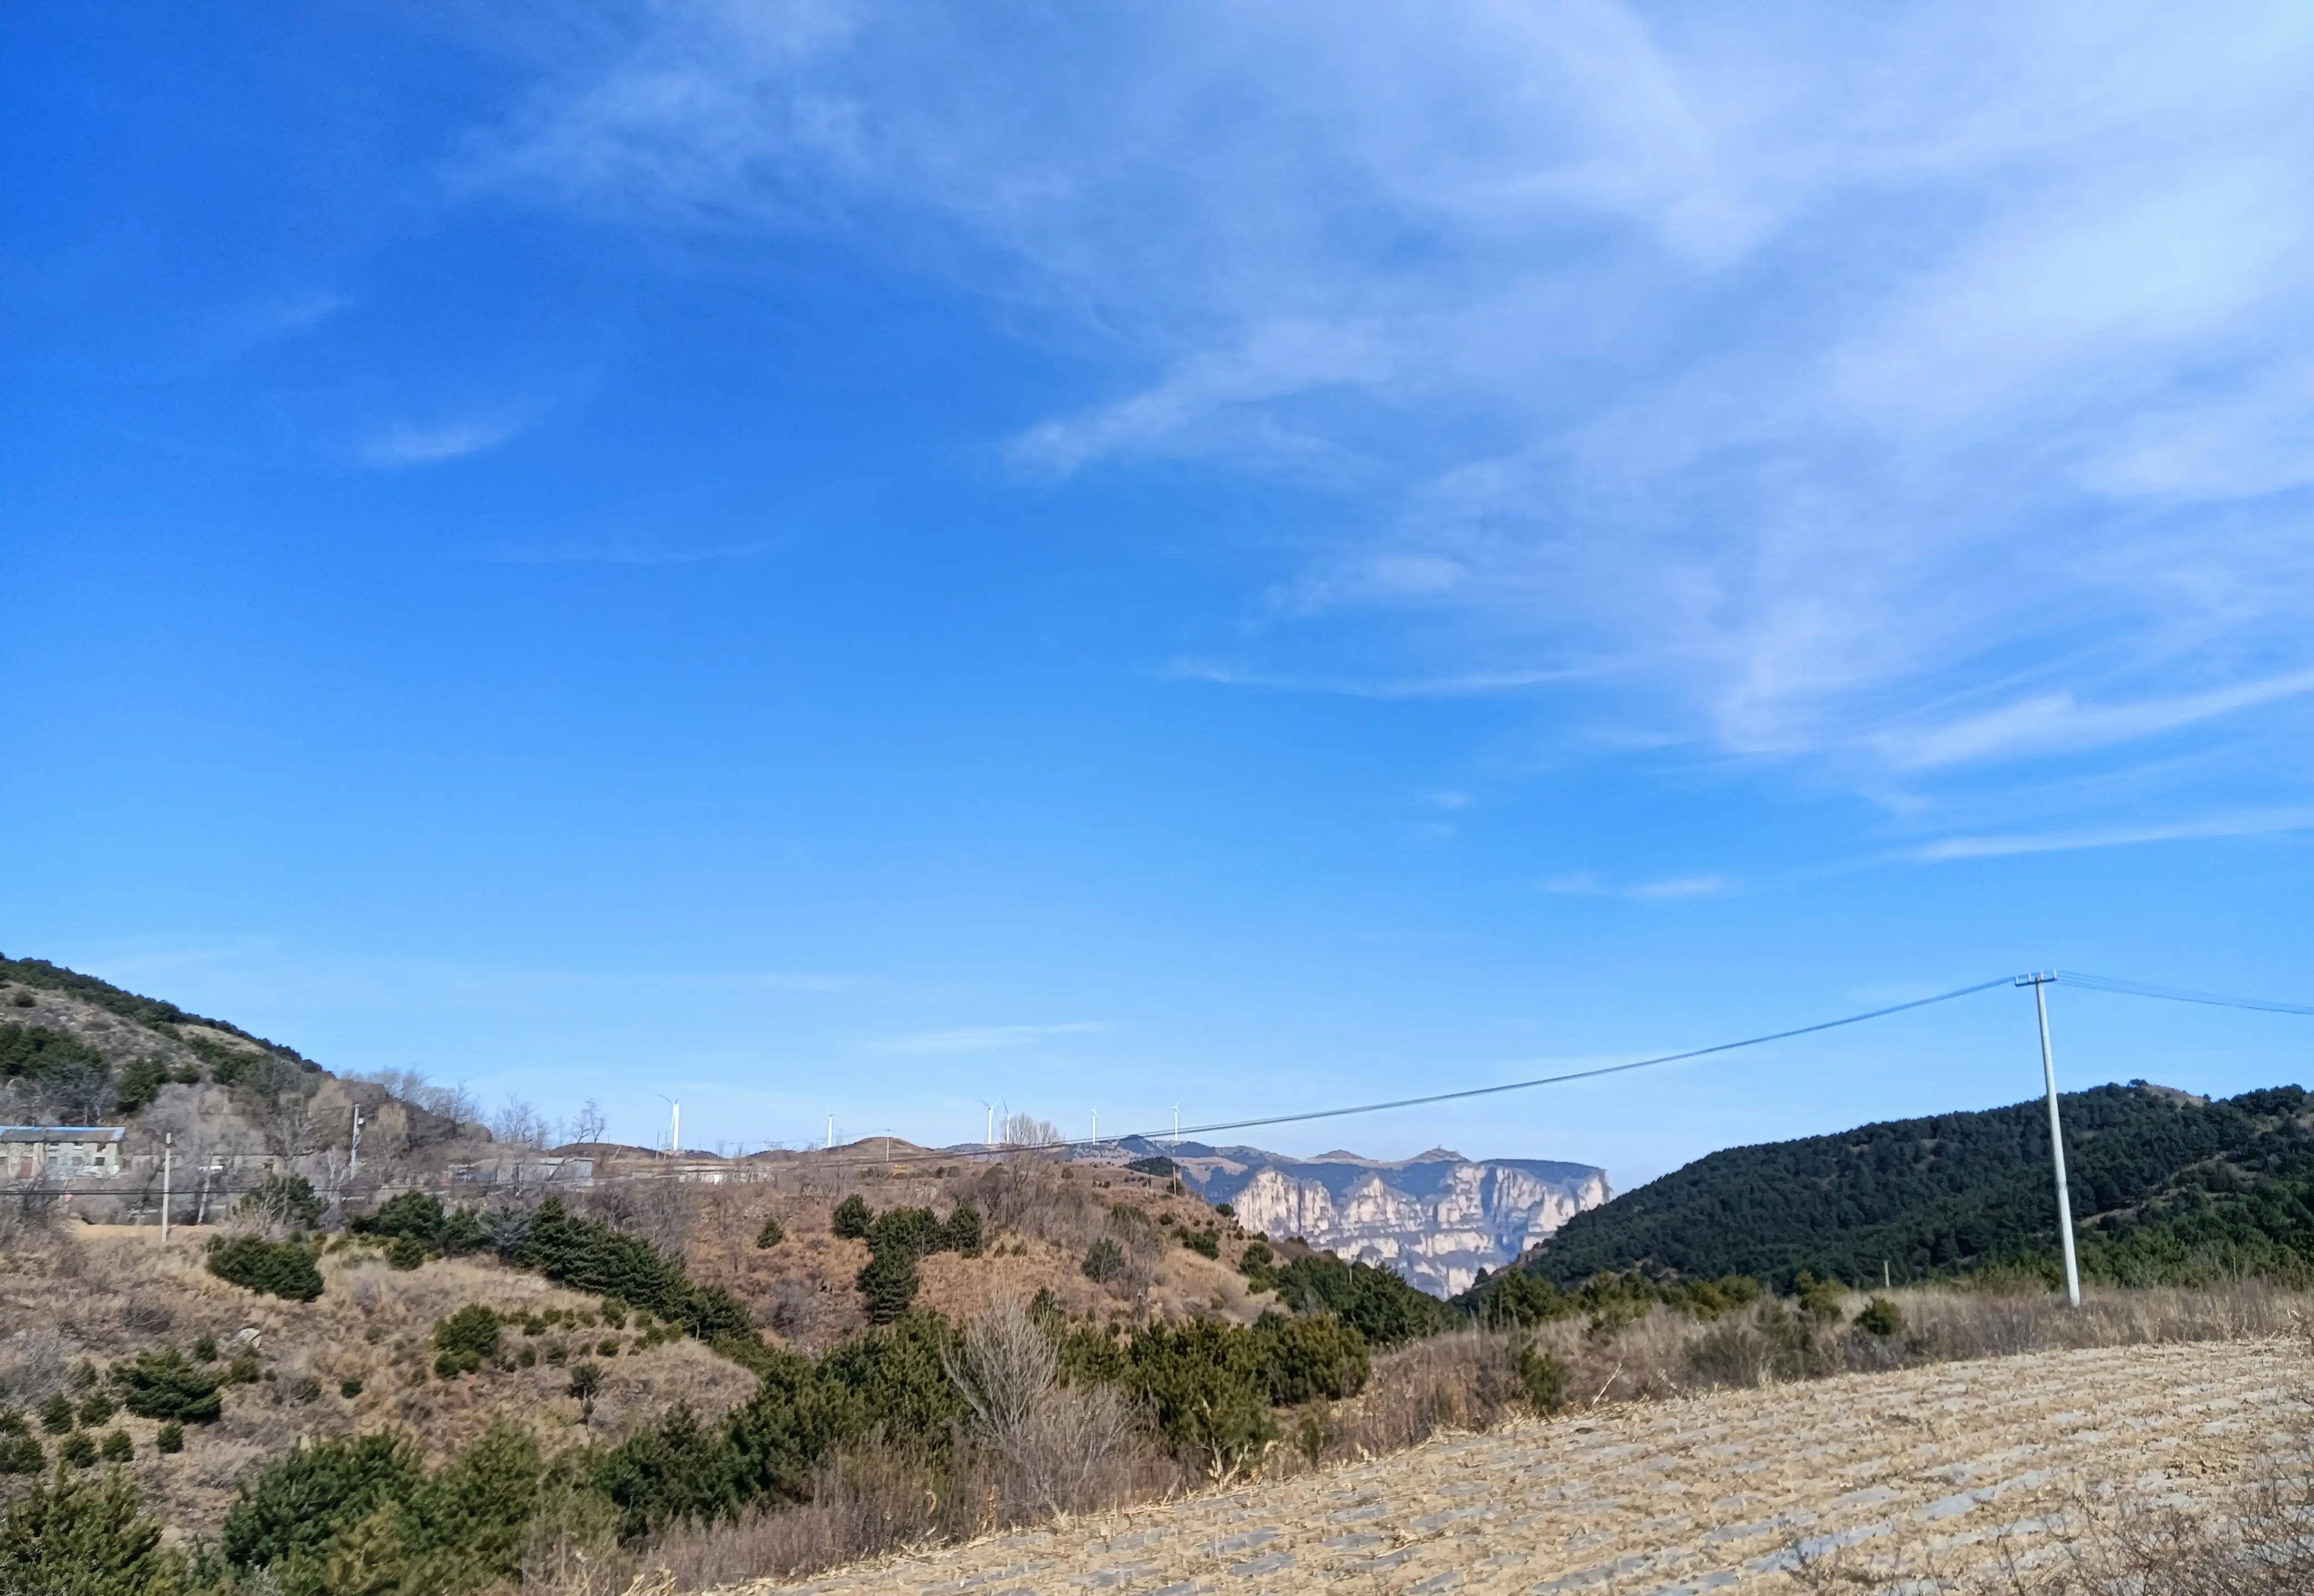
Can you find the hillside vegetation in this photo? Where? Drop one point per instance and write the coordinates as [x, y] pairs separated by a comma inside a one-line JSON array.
[[2167, 1188]]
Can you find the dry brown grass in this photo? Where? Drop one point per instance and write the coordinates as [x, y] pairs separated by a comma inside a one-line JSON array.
[[100, 1294], [1042, 1216]]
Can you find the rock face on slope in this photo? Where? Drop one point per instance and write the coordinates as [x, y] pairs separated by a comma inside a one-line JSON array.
[[1436, 1219]]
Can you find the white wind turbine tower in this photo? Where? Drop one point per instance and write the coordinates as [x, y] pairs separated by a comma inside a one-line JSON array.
[[674, 1124]]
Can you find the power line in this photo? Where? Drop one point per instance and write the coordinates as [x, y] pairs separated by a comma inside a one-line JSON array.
[[1067, 1144], [2177, 994]]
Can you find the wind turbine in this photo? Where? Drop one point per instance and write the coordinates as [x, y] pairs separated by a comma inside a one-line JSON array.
[[674, 1124]]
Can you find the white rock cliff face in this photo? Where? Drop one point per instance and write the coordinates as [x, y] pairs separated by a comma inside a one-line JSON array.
[[1437, 1220]]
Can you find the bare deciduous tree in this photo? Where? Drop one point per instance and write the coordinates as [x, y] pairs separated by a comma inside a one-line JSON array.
[[1059, 1448]]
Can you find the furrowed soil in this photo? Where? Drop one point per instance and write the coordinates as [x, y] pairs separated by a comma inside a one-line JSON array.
[[1954, 1470]]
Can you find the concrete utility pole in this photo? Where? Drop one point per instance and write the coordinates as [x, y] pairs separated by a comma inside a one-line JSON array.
[[1177, 1127], [2040, 983], [831, 1131], [168, 1156], [353, 1158]]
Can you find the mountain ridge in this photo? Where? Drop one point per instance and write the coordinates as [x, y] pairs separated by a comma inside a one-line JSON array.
[[2166, 1185], [1438, 1219]]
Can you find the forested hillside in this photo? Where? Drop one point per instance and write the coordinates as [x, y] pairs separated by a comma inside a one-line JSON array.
[[2166, 1187]]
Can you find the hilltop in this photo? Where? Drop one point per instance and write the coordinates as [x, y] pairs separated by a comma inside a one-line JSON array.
[[2166, 1187]]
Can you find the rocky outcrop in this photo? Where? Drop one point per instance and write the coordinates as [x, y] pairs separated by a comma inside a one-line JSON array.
[[1437, 1220]]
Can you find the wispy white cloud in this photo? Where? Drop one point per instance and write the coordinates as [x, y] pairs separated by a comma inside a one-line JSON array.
[[1584, 884], [2002, 845], [2056, 722], [985, 1038], [1805, 370], [404, 443]]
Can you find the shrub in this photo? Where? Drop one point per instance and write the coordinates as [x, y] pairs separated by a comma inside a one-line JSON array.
[[851, 1218], [586, 1384], [349, 1387], [242, 1370], [911, 1230], [1818, 1299], [171, 1438], [1375, 1303], [594, 1257], [965, 1233], [1880, 1318], [1303, 1359], [889, 1283], [22, 1454], [168, 1385], [67, 1536], [118, 1448], [1258, 1265], [1517, 1299], [205, 1349], [1104, 1260], [1544, 1378], [416, 1215], [1207, 1243], [297, 1502], [286, 1200], [470, 1334], [57, 1414], [1202, 1386], [77, 1451], [771, 1234], [307, 1389], [404, 1253], [676, 1469], [608, 1348], [96, 1408], [281, 1269]]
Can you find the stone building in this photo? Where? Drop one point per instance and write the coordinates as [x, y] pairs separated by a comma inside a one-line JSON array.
[[59, 1152]]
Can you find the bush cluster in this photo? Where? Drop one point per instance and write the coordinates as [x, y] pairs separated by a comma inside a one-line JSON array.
[[463, 1340], [416, 1226], [362, 1514], [1376, 1303], [897, 1239], [591, 1256], [169, 1386], [286, 1200], [282, 1269]]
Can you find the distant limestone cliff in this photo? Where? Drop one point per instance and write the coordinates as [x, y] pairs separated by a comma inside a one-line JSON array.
[[1436, 1219]]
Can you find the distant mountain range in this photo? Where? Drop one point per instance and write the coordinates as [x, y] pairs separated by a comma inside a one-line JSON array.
[[1436, 1219]]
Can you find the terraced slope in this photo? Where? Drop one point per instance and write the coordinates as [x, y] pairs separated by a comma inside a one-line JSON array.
[[1950, 1467]]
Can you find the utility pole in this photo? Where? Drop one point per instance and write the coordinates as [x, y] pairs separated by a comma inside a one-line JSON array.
[[1096, 1130], [353, 1158], [2040, 983], [168, 1157], [1177, 1127], [831, 1133]]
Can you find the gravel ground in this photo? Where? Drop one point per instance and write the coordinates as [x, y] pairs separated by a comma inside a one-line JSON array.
[[1957, 1465]]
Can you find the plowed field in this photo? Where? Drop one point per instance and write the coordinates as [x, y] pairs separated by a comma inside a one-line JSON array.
[[1961, 1463]]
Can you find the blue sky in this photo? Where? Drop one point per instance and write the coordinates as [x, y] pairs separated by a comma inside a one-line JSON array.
[[834, 560]]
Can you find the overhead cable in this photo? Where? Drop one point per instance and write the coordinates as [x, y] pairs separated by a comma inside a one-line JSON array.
[[2177, 994]]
